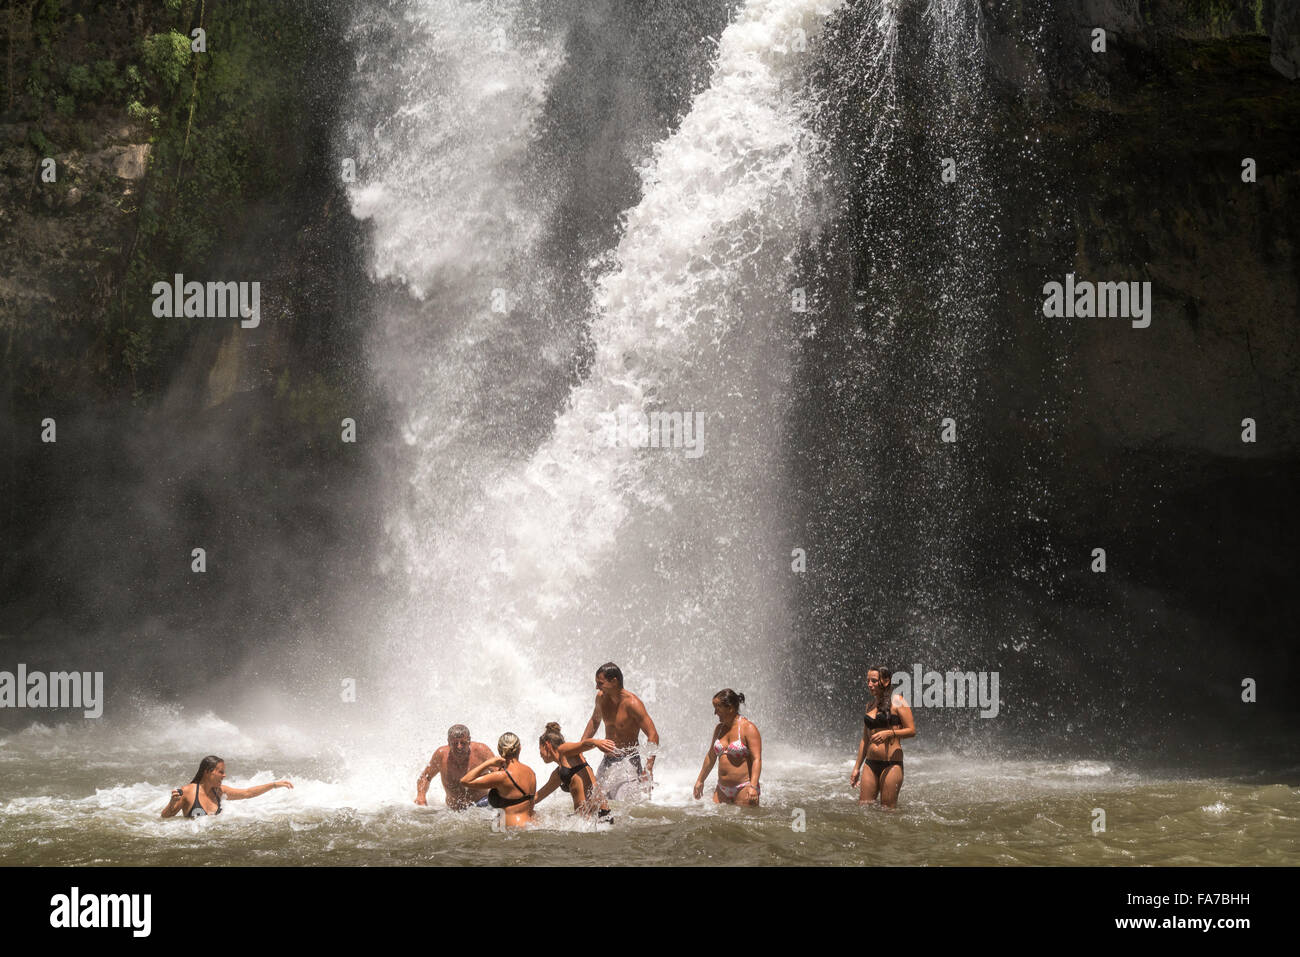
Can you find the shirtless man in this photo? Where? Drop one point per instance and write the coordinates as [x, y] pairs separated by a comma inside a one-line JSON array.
[[625, 718], [452, 760]]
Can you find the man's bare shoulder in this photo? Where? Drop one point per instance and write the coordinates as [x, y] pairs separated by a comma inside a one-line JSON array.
[[633, 701], [440, 754], [479, 750]]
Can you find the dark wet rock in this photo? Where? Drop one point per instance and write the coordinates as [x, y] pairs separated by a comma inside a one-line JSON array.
[[1286, 38]]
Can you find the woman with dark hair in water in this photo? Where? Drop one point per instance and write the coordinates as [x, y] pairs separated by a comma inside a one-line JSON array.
[[737, 749], [513, 789], [573, 774], [202, 796], [888, 720]]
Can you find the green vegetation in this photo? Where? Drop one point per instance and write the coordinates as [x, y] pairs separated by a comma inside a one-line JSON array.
[[227, 139], [1217, 15], [165, 56], [228, 130]]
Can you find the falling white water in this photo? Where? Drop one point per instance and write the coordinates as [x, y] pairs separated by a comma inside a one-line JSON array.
[[580, 552], [447, 96]]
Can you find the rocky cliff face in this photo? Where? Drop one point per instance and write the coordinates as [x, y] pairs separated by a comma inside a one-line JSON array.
[[1073, 434], [165, 160]]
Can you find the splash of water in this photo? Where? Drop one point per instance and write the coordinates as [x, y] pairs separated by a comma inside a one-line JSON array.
[[585, 550]]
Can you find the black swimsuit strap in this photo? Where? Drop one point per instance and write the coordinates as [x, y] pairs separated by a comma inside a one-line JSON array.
[[516, 784]]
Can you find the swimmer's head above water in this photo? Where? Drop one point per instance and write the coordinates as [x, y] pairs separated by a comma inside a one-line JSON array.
[[509, 745], [212, 771], [880, 685], [609, 677], [550, 741], [458, 739], [726, 703]]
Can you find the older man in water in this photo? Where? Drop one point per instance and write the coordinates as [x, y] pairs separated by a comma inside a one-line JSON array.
[[452, 760], [620, 774]]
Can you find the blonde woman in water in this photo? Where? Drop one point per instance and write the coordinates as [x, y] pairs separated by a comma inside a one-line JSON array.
[[512, 789]]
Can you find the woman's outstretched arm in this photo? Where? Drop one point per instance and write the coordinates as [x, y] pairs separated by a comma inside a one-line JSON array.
[[551, 784], [571, 748], [239, 794]]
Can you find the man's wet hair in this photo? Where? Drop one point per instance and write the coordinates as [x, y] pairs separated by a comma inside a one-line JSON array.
[[457, 731], [611, 672]]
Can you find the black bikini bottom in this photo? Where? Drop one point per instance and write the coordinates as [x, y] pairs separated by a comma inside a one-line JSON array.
[[878, 768]]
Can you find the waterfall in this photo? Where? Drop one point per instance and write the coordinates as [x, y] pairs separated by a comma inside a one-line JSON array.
[[534, 549], [903, 317]]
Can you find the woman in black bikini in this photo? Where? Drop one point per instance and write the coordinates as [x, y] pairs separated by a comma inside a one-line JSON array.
[[573, 774], [888, 720], [512, 789], [202, 796]]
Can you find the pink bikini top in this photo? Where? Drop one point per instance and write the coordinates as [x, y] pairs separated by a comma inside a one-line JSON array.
[[737, 748]]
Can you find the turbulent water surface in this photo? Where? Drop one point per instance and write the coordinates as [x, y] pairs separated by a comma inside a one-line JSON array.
[[68, 796]]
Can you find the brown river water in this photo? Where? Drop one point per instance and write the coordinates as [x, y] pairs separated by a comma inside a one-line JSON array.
[[72, 798]]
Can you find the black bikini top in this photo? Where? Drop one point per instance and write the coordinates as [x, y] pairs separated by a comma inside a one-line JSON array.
[[197, 810], [566, 774], [496, 800], [882, 720]]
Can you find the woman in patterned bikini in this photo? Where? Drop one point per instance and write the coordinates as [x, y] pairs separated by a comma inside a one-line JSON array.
[[737, 749]]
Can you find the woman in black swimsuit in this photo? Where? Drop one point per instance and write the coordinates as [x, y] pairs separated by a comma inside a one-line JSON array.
[[202, 796], [573, 774], [887, 721], [512, 789]]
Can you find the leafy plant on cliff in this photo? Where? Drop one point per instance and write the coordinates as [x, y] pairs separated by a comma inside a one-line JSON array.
[[166, 55], [1218, 14], [228, 143]]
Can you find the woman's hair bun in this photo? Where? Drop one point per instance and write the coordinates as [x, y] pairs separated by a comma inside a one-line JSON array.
[[732, 699]]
